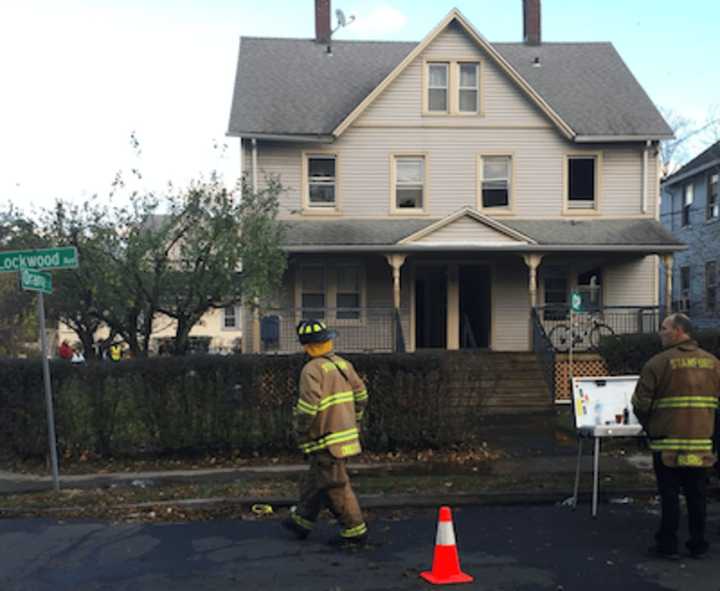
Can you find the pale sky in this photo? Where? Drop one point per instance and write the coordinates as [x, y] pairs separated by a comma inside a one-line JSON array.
[[79, 76]]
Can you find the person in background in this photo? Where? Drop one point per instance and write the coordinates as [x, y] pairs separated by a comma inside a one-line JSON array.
[[675, 400], [65, 351]]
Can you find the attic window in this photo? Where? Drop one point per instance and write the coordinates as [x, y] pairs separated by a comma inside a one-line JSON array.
[[438, 87], [582, 182], [468, 87]]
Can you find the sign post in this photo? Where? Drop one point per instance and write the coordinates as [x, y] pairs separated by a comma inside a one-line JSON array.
[[30, 265], [575, 307]]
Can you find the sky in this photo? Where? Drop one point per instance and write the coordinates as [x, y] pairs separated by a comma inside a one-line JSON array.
[[78, 77]]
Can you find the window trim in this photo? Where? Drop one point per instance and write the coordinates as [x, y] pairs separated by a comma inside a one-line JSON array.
[[709, 217], [479, 174], [330, 274], [581, 211], [453, 64], [307, 208], [478, 104], [710, 310], [688, 206], [403, 211]]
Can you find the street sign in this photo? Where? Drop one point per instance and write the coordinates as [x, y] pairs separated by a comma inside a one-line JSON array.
[[36, 280], [576, 301], [62, 257]]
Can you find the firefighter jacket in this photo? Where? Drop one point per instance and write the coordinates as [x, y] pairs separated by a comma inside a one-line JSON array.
[[330, 408], [675, 400]]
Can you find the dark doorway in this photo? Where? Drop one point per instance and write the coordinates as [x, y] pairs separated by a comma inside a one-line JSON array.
[[431, 308], [474, 307]]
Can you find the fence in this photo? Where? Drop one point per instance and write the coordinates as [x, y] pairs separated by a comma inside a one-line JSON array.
[[359, 330], [590, 327]]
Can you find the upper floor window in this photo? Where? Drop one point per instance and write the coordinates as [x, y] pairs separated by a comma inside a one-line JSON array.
[[231, 318], [409, 179], [321, 180], [687, 205], [469, 87], [712, 197], [495, 181], [710, 279], [438, 87], [582, 182]]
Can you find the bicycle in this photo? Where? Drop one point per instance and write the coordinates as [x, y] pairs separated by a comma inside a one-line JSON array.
[[586, 337]]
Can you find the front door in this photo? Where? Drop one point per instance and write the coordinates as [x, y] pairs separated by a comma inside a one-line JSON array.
[[474, 307], [431, 308]]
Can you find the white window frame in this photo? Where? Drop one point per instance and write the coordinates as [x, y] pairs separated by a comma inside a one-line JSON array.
[[236, 315], [712, 211], [480, 173], [410, 211], [688, 198], [307, 206], [476, 88], [429, 87], [710, 283], [571, 208], [330, 275]]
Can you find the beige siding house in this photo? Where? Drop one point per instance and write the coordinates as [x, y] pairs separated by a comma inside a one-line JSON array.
[[439, 191]]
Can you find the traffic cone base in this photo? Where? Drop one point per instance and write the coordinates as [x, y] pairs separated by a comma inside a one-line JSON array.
[[446, 562]]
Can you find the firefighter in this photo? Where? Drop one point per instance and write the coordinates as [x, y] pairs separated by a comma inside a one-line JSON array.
[[326, 420], [675, 400]]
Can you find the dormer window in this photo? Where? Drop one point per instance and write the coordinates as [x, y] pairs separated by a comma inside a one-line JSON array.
[[468, 87], [438, 83]]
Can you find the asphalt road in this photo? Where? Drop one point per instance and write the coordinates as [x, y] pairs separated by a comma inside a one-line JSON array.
[[505, 548]]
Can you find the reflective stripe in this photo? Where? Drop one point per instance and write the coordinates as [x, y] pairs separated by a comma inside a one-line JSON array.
[[445, 534], [306, 408], [337, 398], [677, 444], [301, 521], [331, 439], [362, 395], [354, 532], [687, 402]]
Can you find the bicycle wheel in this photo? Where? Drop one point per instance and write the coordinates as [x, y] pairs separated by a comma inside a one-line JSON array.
[[560, 337], [599, 332]]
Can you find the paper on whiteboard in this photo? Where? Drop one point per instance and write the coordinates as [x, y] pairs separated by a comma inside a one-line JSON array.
[[604, 401]]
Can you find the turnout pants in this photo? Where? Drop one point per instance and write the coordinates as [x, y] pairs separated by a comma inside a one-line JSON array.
[[692, 482], [327, 485]]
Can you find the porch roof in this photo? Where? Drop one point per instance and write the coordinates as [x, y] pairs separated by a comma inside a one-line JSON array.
[[368, 235]]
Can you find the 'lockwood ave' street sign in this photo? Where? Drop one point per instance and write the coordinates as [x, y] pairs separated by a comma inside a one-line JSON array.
[[36, 281], [63, 257]]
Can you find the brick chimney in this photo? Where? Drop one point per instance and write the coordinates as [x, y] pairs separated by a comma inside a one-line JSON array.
[[322, 21], [531, 22]]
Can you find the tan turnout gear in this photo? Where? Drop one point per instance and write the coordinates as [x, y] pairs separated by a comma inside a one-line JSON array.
[[675, 399], [326, 420]]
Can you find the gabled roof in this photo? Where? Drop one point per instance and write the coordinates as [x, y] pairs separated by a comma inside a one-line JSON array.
[[390, 235], [281, 86], [487, 229], [704, 160]]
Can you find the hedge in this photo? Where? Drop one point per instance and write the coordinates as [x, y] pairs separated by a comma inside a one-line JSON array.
[[201, 403], [626, 354]]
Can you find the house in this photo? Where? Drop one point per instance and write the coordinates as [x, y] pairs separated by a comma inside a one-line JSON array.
[[690, 210], [452, 193]]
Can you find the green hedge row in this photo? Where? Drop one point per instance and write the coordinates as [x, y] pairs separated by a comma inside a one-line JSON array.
[[202, 403], [626, 354]]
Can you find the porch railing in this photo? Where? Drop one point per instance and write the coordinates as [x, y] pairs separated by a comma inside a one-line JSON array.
[[366, 330], [544, 351], [589, 327]]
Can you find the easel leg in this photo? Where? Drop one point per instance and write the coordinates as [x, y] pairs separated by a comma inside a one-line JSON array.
[[577, 473], [596, 469]]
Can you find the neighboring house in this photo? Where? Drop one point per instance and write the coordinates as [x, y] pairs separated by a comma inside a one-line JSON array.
[[454, 183], [219, 331], [690, 209]]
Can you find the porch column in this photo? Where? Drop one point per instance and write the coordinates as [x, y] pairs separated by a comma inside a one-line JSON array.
[[396, 261], [533, 262], [668, 264]]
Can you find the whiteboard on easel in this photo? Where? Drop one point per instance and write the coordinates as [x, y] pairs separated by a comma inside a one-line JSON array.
[[604, 402]]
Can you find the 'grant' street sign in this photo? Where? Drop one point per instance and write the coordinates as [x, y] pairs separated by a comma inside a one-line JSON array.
[[36, 281], [63, 257]]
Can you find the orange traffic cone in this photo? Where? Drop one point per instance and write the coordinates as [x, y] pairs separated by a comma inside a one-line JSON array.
[[446, 562]]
